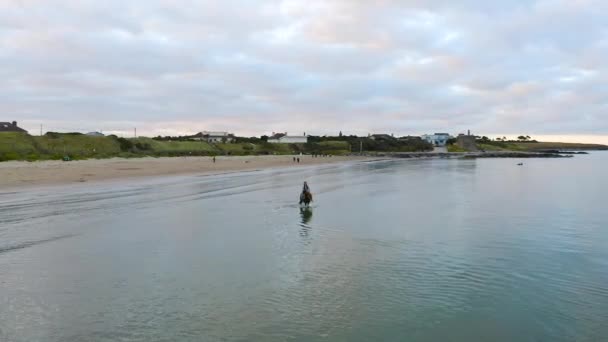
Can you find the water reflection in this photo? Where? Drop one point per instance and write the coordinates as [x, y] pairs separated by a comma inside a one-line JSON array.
[[306, 216]]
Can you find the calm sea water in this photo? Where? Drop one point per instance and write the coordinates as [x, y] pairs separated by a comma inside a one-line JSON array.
[[406, 250]]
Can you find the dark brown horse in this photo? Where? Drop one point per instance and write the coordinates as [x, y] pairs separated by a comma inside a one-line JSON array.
[[306, 195], [305, 198]]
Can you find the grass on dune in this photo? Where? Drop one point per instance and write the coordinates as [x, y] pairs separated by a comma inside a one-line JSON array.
[[334, 145], [330, 147], [149, 144], [21, 146], [19, 143], [76, 145], [455, 148]]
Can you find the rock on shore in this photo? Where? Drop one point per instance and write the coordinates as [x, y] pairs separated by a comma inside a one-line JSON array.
[[473, 155]]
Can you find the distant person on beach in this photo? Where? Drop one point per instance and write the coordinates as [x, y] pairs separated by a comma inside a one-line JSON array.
[[214, 160], [298, 159]]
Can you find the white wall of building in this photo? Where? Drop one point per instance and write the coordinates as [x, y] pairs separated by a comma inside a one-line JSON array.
[[436, 139], [289, 140]]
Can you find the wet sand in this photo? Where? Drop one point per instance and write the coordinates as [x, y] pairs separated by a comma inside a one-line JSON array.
[[26, 174]]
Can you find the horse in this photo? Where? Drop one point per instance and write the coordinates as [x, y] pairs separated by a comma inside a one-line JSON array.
[[306, 195], [305, 198]]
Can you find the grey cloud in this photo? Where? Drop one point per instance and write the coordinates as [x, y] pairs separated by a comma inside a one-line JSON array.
[[406, 67]]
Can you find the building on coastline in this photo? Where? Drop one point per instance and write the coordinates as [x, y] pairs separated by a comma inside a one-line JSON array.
[[215, 137], [467, 141], [95, 134], [409, 138], [284, 138], [437, 139], [11, 127], [380, 137]]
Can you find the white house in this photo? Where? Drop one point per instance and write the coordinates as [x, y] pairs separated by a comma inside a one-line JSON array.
[[95, 134], [283, 138], [215, 137], [437, 139]]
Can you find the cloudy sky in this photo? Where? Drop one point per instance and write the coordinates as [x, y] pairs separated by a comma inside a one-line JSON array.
[[504, 67]]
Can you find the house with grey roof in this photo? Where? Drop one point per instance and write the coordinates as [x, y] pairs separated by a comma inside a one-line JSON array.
[[11, 127], [214, 137]]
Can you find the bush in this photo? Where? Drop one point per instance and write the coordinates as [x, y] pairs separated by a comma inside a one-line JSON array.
[[32, 157], [53, 135], [143, 146], [125, 144], [455, 148], [9, 156], [130, 155]]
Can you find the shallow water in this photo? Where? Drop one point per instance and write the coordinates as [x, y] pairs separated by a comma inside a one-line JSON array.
[[416, 250]]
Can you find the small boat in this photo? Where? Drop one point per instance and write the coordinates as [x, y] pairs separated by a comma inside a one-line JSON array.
[[520, 164]]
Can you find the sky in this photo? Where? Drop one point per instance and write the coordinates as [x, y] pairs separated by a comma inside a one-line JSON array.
[[169, 67]]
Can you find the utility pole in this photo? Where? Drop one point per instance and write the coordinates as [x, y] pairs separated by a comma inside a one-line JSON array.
[[360, 146], [40, 129], [135, 132]]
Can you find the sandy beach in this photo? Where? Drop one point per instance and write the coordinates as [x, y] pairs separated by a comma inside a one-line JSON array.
[[27, 174]]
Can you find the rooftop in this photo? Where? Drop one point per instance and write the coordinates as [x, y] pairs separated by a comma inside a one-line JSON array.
[[213, 134], [10, 127]]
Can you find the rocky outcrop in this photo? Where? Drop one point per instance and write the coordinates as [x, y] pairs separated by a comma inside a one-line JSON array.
[[471, 155], [562, 152]]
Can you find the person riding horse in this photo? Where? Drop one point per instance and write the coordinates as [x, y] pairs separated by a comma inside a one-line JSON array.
[[306, 195]]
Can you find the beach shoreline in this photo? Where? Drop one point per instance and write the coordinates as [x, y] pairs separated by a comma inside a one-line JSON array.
[[17, 175]]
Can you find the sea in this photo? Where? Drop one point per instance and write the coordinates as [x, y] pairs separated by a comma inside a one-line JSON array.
[[393, 250]]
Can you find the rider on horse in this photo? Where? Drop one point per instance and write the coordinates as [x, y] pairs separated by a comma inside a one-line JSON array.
[[306, 195]]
